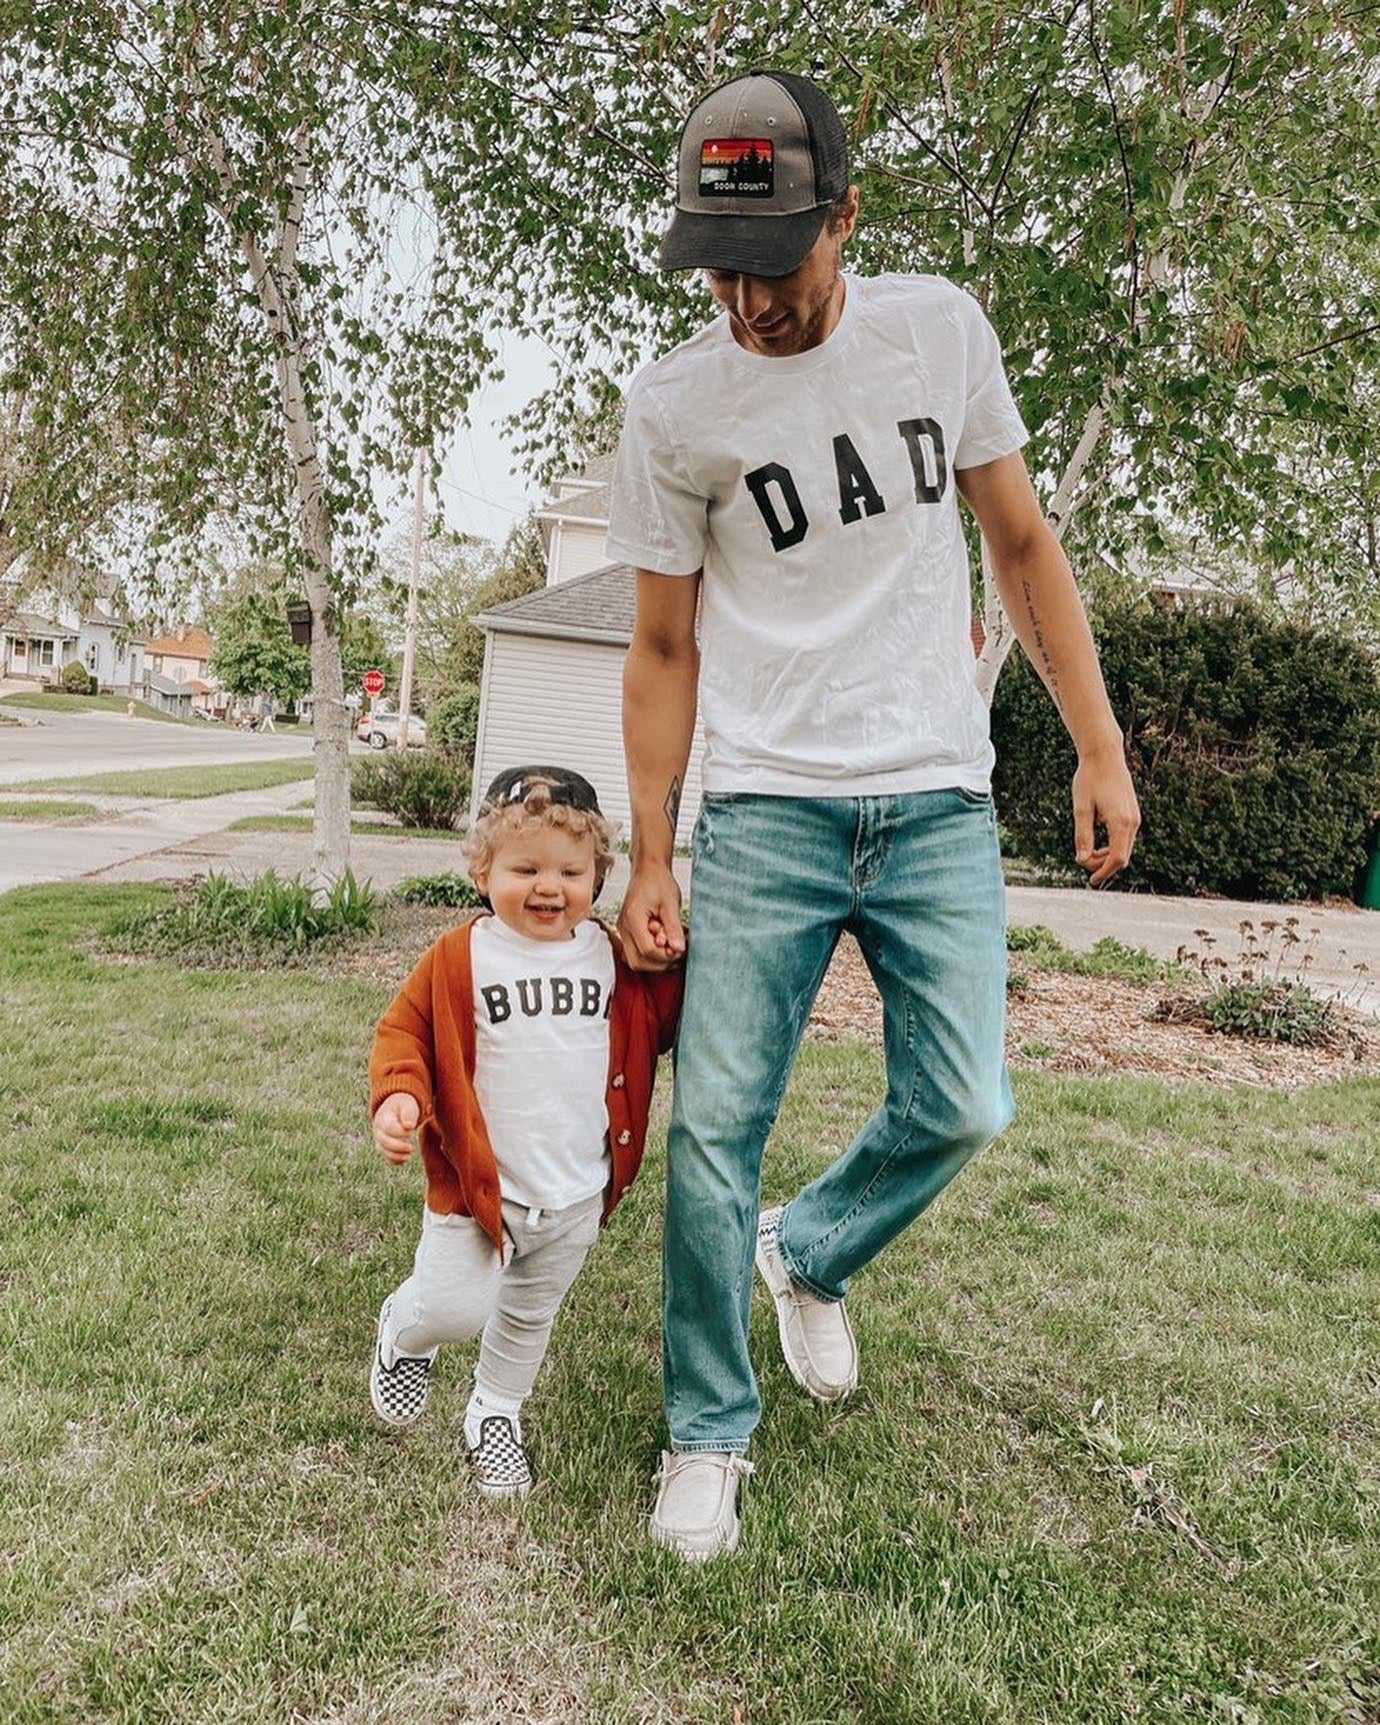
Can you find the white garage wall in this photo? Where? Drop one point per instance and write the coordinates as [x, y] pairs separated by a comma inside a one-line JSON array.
[[559, 702]]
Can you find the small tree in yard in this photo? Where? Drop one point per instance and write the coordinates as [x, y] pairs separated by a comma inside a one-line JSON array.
[[273, 197], [254, 653]]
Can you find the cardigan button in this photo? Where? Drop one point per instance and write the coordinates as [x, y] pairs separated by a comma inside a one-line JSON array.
[[625, 1137], [618, 1081]]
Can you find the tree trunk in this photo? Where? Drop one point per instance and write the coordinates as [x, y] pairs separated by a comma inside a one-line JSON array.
[[330, 723]]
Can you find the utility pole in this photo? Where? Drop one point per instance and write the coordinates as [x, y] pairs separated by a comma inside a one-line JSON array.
[[410, 640]]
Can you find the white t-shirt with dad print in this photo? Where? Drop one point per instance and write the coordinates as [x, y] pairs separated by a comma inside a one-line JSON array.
[[817, 492]]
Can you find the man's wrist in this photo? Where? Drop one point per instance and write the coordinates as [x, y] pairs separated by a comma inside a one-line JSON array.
[[1106, 745]]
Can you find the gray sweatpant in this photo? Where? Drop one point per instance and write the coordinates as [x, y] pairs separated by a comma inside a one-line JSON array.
[[458, 1289]]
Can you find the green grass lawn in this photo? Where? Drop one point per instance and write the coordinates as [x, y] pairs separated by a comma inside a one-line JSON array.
[[44, 809], [202, 781], [370, 828], [1116, 1456], [59, 701]]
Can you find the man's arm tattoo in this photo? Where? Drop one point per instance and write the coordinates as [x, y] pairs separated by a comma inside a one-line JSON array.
[[672, 805], [1051, 675]]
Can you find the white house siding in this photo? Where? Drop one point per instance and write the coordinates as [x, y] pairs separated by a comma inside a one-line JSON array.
[[575, 550], [558, 702]]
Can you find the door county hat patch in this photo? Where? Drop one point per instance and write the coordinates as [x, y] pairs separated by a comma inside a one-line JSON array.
[[736, 168]]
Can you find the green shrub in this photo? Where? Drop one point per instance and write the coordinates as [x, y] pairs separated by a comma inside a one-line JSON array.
[[438, 889], [452, 723], [77, 680], [1254, 745], [221, 916], [1274, 1011], [1108, 957], [422, 788]]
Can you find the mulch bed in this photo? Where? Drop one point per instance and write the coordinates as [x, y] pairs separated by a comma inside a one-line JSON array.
[[1055, 1022], [1082, 1024]]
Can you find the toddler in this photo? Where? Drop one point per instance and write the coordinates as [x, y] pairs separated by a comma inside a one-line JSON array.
[[521, 1052]]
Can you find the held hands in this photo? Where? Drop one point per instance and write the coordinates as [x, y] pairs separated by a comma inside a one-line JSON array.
[[649, 923], [394, 1123], [1104, 796]]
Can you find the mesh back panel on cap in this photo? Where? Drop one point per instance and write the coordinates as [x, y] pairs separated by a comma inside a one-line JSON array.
[[828, 140]]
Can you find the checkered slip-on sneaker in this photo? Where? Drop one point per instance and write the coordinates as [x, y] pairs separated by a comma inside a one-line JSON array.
[[398, 1392], [499, 1462]]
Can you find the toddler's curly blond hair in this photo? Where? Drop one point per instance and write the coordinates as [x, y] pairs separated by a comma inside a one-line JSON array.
[[497, 822]]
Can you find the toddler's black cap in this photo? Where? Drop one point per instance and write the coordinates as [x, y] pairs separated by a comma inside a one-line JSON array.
[[514, 785]]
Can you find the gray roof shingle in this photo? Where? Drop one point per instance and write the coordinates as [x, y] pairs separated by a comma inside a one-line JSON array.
[[599, 606]]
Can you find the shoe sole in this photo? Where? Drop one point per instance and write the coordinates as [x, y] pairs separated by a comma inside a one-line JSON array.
[[690, 1554], [780, 1297], [498, 1491]]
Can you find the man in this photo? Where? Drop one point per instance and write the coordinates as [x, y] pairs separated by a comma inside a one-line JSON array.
[[792, 470]]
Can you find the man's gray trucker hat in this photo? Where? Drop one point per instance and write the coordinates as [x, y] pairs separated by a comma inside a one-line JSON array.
[[761, 160]]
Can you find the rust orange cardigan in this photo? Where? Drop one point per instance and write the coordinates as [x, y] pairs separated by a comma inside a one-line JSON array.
[[424, 1047]]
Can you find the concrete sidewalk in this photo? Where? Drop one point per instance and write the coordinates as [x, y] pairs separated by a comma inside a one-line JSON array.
[[131, 833]]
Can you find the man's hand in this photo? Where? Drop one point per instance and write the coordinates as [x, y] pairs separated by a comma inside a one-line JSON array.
[[649, 922], [395, 1120], [1104, 796]]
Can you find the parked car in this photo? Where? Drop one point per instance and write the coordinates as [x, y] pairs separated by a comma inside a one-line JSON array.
[[380, 730]]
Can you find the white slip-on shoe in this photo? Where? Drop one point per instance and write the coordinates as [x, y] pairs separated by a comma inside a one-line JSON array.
[[398, 1391], [816, 1337], [696, 1513]]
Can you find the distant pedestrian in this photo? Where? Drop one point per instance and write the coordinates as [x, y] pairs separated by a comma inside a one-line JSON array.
[[522, 1051], [267, 724]]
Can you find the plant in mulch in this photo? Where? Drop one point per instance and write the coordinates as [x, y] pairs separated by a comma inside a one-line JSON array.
[[1108, 956], [438, 889], [1262, 992], [219, 918]]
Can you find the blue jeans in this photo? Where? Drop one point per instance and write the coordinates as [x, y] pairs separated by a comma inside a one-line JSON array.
[[917, 879]]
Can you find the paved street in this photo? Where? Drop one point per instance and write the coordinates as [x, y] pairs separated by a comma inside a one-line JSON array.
[[67, 743]]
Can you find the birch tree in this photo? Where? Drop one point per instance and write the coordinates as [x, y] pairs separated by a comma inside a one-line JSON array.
[[269, 190]]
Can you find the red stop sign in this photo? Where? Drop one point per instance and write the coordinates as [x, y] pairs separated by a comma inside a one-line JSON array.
[[374, 682]]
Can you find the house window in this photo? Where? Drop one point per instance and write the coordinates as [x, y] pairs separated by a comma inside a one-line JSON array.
[[21, 646], [119, 652], [93, 656], [45, 652]]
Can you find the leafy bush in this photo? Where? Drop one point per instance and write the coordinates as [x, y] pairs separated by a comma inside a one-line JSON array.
[[438, 889], [423, 788], [267, 914], [452, 723], [1276, 1011], [1108, 957], [1254, 745], [77, 680]]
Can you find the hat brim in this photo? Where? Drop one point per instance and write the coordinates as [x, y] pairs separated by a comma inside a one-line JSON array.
[[750, 245]]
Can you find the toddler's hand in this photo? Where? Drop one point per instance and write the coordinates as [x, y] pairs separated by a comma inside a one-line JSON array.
[[394, 1123]]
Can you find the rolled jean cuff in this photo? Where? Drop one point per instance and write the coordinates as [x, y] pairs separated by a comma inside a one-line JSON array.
[[793, 1270], [711, 1446]]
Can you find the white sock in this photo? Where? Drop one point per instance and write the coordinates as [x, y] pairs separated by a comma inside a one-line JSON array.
[[484, 1404]]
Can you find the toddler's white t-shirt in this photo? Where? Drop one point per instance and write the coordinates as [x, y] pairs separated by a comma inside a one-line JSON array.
[[817, 492], [541, 1013]]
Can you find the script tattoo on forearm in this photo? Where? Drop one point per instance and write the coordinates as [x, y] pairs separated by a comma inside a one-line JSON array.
[[672, 805], [1051, 676]]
